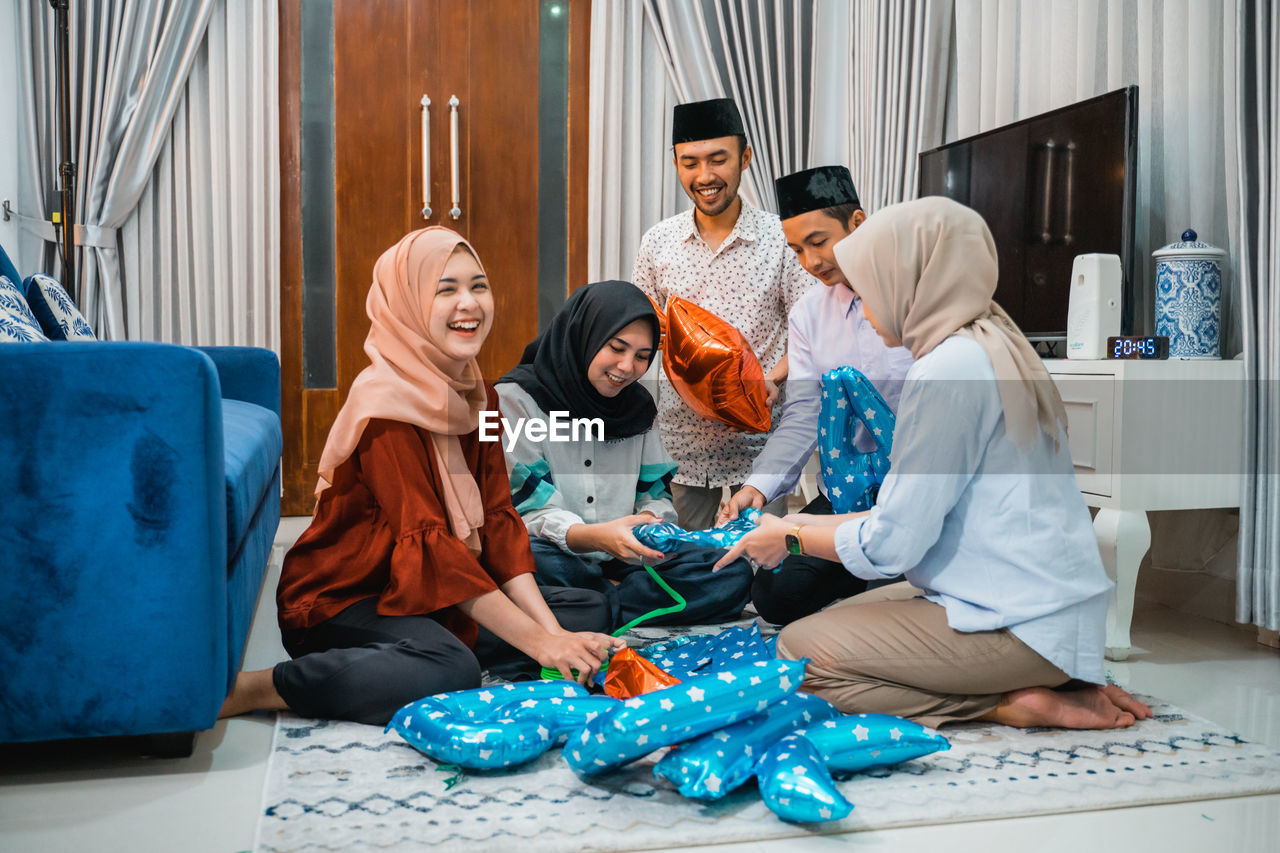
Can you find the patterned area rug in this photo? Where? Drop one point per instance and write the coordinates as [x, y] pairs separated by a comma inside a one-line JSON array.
[[344, 786]]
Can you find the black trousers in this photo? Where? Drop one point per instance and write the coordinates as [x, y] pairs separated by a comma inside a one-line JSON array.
[[364, 667], [709, 596], [802, 585]]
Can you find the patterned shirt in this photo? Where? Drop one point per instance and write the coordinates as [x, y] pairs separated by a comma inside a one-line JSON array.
[[752, 281]]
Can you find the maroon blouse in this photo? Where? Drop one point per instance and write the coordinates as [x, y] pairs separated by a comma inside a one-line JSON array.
[[381, 530]]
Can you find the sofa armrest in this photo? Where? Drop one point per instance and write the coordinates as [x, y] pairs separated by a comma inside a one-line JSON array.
[[251, 374], [113, 598]]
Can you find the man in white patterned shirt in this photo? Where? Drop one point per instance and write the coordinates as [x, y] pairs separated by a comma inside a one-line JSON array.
[[733, 260]]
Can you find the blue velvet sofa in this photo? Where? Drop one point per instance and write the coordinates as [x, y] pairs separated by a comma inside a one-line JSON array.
[[141, 496]]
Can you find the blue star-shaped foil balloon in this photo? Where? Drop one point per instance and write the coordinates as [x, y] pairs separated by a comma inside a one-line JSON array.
[[664, 536], [852, 477]]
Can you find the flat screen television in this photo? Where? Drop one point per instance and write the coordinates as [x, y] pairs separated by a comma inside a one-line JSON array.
[[1050, 187]]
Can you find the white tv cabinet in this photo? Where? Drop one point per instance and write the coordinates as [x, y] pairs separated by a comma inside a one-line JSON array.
[[1149, 435]]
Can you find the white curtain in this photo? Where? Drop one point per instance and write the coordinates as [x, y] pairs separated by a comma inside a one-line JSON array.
[[178, 180], [759, 53], [1014, 60], [1257, 34], [631, 182], [201, 250], [897, 87]]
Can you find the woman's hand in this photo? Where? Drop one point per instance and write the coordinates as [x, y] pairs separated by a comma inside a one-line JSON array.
[[765, 547], [615, 538], [566, 651]]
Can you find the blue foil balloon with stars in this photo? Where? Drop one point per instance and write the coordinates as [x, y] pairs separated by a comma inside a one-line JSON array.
[[713, 765], [493, 727], [795, 784], [681, 712], [852, 476], [487, 745], [665, 537], [861, 741]]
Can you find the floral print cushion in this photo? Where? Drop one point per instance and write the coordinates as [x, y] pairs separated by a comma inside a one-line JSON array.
[[55, 311], [17, 325]]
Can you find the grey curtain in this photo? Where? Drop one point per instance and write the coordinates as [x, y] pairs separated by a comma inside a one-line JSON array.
[[1258, 116], [898, 84], [130, 61], [761, 55]]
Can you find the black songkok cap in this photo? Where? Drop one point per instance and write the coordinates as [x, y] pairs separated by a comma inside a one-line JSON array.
[[814, 189], [706, 120]]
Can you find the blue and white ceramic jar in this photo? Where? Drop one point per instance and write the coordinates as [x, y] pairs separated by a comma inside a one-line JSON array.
[[1189, 297]]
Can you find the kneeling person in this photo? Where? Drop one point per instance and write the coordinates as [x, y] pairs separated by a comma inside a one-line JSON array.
[[581, 499], [826, 329]]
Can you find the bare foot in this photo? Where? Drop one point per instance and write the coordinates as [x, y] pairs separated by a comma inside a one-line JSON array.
[[1089, 708], [253, 691], [1125, 702]]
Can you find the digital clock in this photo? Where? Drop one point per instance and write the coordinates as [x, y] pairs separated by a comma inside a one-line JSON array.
[[1133, 346]]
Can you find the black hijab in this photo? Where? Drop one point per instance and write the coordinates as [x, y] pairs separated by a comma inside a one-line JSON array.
[[553, 369]]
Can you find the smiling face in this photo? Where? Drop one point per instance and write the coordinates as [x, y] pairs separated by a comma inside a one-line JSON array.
[[623, 359], [710, 171], [813, 237], [460, 311]]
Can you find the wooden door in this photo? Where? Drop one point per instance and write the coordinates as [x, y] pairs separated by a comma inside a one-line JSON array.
[[386, 55]]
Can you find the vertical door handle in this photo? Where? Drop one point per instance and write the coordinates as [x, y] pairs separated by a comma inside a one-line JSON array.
[[426, 157], [1046, 212], [456, 212], [1067, 236]]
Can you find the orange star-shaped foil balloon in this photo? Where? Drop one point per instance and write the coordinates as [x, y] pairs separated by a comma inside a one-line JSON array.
[[712, 367]]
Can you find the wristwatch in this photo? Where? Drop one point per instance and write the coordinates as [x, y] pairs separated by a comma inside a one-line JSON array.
[[794, 545]]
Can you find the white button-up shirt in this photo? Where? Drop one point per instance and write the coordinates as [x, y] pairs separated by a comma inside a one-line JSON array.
[[996, 534], [752, 281], [826, 330]]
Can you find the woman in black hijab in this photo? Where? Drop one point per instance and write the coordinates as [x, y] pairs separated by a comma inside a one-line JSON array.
[[587, 466]]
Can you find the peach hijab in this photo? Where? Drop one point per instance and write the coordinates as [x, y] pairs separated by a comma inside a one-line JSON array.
[[926, 270], [410, 380]]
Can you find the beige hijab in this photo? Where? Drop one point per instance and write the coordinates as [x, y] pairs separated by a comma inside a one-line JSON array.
[[926, 270], [410, 380]]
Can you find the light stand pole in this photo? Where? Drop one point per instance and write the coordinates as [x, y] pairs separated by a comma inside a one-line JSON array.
[[66, 168]]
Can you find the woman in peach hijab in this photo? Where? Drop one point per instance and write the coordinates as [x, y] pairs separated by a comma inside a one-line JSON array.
[[1002, 614], [416, 570]]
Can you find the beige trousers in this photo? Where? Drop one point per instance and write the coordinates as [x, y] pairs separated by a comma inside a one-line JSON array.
[[889, 651]]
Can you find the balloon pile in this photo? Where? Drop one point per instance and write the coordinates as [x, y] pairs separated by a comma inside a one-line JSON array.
[[713, 368], [853, 477], [665, 536], [726, 706]]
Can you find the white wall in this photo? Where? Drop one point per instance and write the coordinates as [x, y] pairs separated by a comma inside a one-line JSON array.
[[10, 80]]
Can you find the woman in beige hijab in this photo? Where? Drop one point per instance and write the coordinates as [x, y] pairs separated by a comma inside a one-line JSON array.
[[1003, 611], [416, 569]]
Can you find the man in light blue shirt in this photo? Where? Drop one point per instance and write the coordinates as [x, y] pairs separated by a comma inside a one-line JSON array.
[[826, 330]]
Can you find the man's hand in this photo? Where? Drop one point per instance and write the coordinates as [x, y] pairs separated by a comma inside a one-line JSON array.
[[743, 498], [585, 651], [615, 538], [770, 393]]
